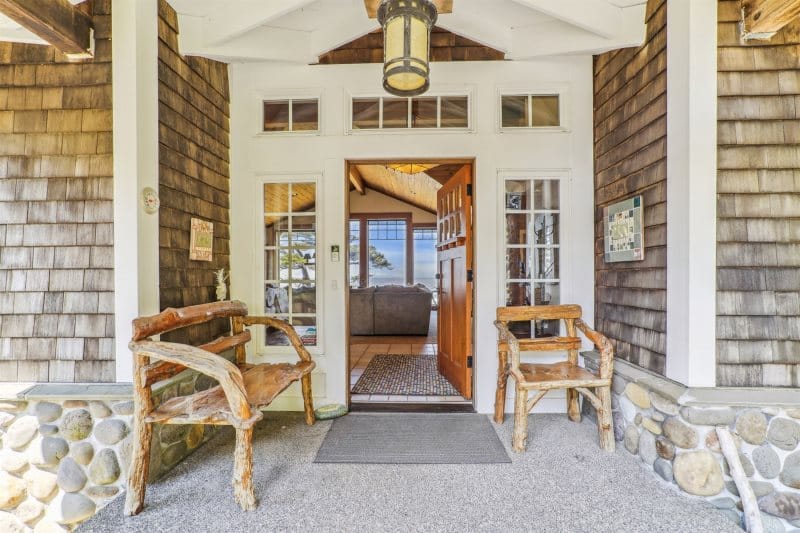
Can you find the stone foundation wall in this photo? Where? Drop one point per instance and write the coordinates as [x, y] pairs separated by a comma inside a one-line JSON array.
[[671, 429], [65, 450]]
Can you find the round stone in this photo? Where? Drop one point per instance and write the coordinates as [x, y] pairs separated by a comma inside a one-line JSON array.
[[48, 429], [123, 408], [41, 484], [658, 417], [766, 461], [747, 466], [664, 469], [169, 393], [49, 451], [28, 511], [186, 388], [12, 461], [75, 508], [698, 473], [174, 453], [724, 503], [47, 411], [6, 419], [13, 407], [619, 425], [204, 382], [651, 425], [760, 488], [10, 523], [76, 425], [195, 436], [708, 416], [21, 431], [665, 449], [104, 468], [627, 409], [751, 425], [679, 433], [12, 491], [712, 441], [99, 409], [638, 419], [111, 431], [784, 433], [82, 452], [794, 413], [647, 447], [70, 476], [631, 439], [772, 524], [172, 433], [637, 395], [618, 384], [783, 504], [790, 475], [666, 406], [326, 412], [72, 404], [102, 492]]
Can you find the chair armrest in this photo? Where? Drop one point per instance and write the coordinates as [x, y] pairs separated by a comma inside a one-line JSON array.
[[603, 344], [204, 362], [506, 336], [285, 327]]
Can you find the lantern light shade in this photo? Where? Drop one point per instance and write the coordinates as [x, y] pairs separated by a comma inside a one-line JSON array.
[[406, 45]]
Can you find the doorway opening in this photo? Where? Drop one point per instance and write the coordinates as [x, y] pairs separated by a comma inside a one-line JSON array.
[[409, 304]]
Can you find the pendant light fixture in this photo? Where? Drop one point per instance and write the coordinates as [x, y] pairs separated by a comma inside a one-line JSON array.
[[406, 45]]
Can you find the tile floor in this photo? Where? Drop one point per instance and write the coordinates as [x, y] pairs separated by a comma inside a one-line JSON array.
[[362, 354]]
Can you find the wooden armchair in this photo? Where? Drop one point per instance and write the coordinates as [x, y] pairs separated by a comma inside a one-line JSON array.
[[242, 391], [545, 377]]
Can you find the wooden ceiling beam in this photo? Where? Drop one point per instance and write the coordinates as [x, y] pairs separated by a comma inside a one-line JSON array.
[[58, 22], [357, 180], [764, 18], [442, 6]]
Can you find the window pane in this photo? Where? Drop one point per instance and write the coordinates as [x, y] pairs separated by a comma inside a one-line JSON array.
[[517, 228], [304, 298], [518, 194], [545, 110], [276, 298], [276, 115], [276, 337], [366, 112], [545, 229], [518, 293], [545, 263], [455, 112], [305, 115], [546, 294], [546, 328], [545, 194], [423, 113], [355, 253], [425, 257], [306, 327], [514, 111], [395, 112], [387, 252], [518, 263]]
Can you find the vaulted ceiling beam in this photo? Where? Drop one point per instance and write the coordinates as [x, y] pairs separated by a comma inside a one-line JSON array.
[[595, 16], [763, 18], [231, 23], [357, 181], [58, 22]]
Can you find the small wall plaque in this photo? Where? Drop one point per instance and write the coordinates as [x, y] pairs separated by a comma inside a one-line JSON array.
[[201, 241], [624, 231]]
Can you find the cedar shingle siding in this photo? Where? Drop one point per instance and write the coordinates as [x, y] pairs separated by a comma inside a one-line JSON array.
[[630, 145], [194, 141], [56, 216], [758, 206]]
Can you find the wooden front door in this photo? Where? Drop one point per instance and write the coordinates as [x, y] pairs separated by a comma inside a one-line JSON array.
[[454, 257]]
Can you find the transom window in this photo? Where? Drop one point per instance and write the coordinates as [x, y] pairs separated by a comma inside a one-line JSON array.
[[423, 112], [288, 115], [530, 111], [532, 248]]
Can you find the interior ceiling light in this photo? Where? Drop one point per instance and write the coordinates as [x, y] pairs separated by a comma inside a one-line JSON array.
[[406, 45], [411, 168]]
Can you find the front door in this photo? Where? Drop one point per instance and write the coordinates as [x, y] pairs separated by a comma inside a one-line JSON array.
[[454, 258]]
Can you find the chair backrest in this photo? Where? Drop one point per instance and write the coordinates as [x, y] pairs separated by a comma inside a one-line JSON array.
[[171, 319], [538, 312]]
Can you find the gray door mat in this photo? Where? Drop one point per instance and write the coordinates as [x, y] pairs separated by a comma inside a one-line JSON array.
[[368, 438]]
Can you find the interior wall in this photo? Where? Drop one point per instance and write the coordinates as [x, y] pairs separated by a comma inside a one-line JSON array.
[[377, 202], [256, 157], [194, 174], [56, 215], [630, 140], [758, 215]]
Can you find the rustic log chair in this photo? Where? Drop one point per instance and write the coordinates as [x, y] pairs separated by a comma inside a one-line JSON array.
[[243, 389], [545, 377]]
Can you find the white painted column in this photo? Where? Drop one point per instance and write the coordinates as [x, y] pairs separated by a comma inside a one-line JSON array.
[[691, 191], [135, 91]]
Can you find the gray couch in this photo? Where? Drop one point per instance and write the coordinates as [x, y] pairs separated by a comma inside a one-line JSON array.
[[390, 310]]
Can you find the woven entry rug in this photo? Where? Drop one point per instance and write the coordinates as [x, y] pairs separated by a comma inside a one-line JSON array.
[[370, 438], [403, 374]]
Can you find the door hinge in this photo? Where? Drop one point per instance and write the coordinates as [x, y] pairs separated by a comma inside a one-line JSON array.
[[469, 189], [469, 361], [470, 276]]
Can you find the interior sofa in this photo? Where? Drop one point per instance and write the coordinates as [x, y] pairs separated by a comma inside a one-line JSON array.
[[390, 310]]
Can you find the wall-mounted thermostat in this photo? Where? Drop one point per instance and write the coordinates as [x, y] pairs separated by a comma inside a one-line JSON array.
[[335, 253]]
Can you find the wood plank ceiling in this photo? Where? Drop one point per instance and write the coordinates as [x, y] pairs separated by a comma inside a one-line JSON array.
[[418, 190]]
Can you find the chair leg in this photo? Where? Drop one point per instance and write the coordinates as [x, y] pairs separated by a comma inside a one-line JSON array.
[[520, 435], [308, 399], [573, 405], [500, 393], [243, 491], [605, 424], [140, 465]]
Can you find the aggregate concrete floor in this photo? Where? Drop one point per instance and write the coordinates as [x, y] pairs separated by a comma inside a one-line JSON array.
[[564, 482]]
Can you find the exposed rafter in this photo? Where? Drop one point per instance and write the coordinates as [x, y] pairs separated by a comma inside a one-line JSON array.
[[357, 181], [763, 18], [596, 16], [57, 22]]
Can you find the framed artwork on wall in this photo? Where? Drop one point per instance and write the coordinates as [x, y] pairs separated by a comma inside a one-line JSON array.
[[624, 231], [201, 240]]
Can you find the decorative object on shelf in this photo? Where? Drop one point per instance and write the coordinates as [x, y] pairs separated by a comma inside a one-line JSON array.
[[150, 201], [201, 240], [406, 45], [332, 410], [624, 231], [222, 289]]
